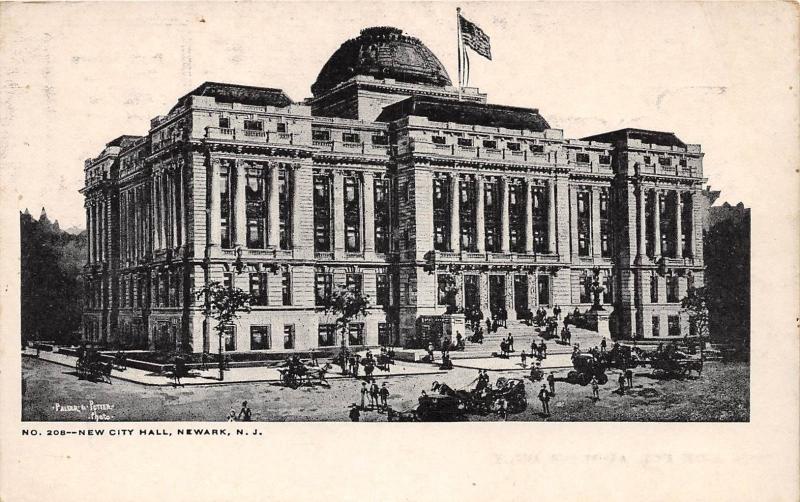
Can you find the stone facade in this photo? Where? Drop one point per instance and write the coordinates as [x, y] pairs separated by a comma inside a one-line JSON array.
[[395, 186]]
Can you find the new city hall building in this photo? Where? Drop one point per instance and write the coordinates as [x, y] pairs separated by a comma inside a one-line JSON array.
[[389, 180]]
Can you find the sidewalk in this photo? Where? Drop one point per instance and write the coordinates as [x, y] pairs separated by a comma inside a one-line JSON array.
[[552, 361], [234, 375]]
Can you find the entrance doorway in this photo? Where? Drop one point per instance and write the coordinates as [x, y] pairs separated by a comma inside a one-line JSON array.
[[521, 295], [497, 294]]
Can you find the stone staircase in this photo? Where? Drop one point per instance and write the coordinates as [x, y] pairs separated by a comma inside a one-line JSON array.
[[523, 336]]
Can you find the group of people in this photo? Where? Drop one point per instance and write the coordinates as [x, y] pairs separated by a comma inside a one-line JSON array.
[[373, 397], [507, 345], [244, 415]]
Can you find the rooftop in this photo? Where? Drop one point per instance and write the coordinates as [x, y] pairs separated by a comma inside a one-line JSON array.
[[660, 138], [236, 93]]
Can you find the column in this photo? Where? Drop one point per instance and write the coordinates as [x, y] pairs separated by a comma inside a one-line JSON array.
[[240, 206], [154, 231], [338, 213], [161, 226], [573, 223], [595, 214], [504, 240], [89, 233], [690, 232], [297, 201], [642, 224], [368, 211], [529, 216], [455, 214], [165, 219], [551, 216], [174, 209], [179, 196], [480, 228], [656, 224], [102, 232], [459, 281], [510, 310], [678, 225], [215, 205], [273, 204]]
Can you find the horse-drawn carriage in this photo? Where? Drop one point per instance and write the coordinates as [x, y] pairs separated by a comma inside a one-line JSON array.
[[294, 373], [448, 404], [672, 363], [91, 367], [586, 367]]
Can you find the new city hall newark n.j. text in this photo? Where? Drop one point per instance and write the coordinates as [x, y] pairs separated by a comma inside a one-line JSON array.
[[390, 180]]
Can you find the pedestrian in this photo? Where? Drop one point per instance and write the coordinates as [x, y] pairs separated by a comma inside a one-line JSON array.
[[245, 414], [543, 350], [502, 408], [204, 361], [524, 358], [314, 358], [356, 365], [384, 396], [374, 395], [595, 389], [629, 377], [354, 414], [551, 381], [544, 397], [621, 381], [232, 415], [510, 342], [364, 393], [557, 311], [603, 345], [488, 325], [430, 351]]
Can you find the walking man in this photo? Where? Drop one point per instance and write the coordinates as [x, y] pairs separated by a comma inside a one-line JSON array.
[[524, 358], [384, 396], [603, 346], [510, 342], [551, 381], [595, 389], [621, 381], [629, 377], [364, 393], [544, 397], [374, 393]]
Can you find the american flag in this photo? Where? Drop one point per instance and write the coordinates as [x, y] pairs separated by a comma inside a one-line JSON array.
[[474, 38]]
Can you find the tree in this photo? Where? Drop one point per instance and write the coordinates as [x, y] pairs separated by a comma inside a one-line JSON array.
[[346, 304], [223, 304], [696, 307]]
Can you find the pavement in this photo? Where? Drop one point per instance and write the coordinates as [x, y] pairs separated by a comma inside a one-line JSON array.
[[233, 375], [552, 361]]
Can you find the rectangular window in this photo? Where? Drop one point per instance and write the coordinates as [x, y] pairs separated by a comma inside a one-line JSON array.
[[654, 289], [255, 211], [472, 292], [543, 284], [229, 338], [491, 214], [281, 127], [647, 160], [464, 141], [322, 213], [672, 289], [323, 288], [381, 200], [514, 147], [445, 285], [320, 135], [288, 336], [520, 294], [260, 338], [605, 159], [441, 214], [516, 217], [487, 143], [537, 148], [582, 158], [286, 287], [355, 333], [351, 137], [584, 223], [380, 139], [224, 123], [665, 161], [467, 215], [673, 325], [586, 289], [227, 280], [258, 289], [382, 289], [540, 223], [352, 214], [438, 140], [326, 335], [284, 209], [607, 289], [682, 162], [605, 225], [656, 326], [253, 125], [225, 210], [354, 282]]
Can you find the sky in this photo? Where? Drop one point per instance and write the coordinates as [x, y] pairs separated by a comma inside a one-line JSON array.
[[719, 74]]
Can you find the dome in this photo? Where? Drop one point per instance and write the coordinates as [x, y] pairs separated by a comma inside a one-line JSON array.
[[382, 52]]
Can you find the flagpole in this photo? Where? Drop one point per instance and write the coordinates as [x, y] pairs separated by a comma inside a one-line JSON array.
[[460, 50]]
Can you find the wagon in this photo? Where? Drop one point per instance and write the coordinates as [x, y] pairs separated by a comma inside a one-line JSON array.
[[586, 367]]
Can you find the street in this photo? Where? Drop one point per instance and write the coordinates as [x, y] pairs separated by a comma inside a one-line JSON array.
[[53, 393]]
